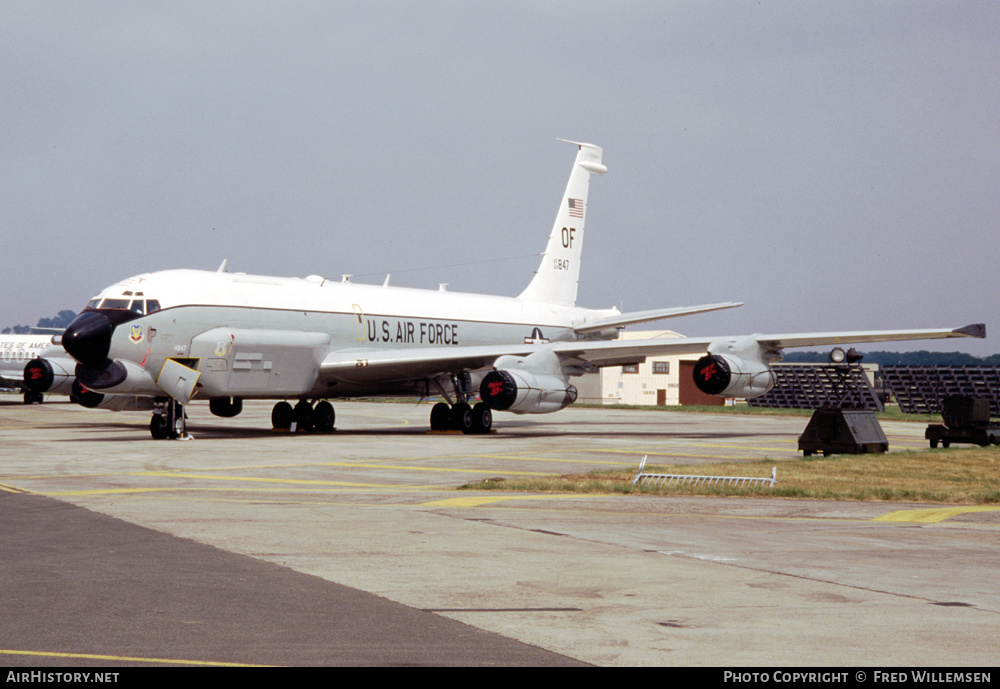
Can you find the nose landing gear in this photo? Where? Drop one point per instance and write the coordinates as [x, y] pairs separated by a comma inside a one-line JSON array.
[[169, 421]]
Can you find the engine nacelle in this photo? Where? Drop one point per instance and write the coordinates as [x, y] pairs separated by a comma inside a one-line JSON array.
[[739, 372], [84, 397], [54, 375], [118, 377], [524, 392]]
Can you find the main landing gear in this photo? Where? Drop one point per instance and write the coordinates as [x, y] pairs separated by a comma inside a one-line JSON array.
[[462, 417], [304, 416], [169, 421]]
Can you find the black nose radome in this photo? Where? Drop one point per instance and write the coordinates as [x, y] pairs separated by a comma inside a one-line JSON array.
[[88, 338]]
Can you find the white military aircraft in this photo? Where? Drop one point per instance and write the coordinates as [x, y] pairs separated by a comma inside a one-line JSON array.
[[180, 335]]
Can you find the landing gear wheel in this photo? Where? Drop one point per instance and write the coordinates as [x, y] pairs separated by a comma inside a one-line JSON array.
[[482, 418], [461, 417], [323, 416], [32, 397], [440, 417], [281, 416], [303, 416], [159, 427]]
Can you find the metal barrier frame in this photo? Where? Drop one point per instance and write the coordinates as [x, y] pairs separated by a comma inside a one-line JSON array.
[[645, 479]]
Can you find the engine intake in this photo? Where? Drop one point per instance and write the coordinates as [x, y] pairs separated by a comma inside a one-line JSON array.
[[49, 375], [730, 376], [118, 377], [84, 397], [523, 392]]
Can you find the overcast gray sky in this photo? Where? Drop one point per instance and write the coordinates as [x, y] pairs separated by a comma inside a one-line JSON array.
[[834, 165]]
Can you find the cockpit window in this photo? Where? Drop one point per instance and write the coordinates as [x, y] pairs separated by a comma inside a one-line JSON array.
[[139, 307], [115, 304]]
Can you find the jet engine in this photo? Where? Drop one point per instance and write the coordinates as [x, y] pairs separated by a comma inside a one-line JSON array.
[[54, 375], [736, 369], [84, 397], [118, 377], [523, 392], [534, 384]]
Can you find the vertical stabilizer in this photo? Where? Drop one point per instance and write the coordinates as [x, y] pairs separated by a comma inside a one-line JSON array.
[[557, 276]]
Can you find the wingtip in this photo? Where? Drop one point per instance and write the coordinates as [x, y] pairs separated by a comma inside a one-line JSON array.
[[973, 330]]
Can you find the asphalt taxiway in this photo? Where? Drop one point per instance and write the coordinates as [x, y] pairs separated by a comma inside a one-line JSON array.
[[244, 546]]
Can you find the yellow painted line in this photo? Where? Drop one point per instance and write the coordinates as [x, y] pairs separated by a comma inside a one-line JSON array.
[[12, 489], [313, 483], [397, 467], [476, 501], [669, 450], [361, 488], [523, 458], [933, 515], [254, 479], [638, 454], [93, 656], [750, 455]]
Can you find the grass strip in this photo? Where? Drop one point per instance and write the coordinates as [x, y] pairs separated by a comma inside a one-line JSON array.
[[957, 476]]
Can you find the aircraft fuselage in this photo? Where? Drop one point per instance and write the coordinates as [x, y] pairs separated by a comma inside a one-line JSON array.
[[259, 336]]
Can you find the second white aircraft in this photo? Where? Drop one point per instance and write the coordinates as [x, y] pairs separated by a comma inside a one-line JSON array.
[[182, 335]]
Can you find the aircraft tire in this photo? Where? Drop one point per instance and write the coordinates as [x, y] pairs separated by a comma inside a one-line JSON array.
[[159, 427], [440, 417], [324, 416], [482, 418], [303, 416], [281, 416], [461, 417]]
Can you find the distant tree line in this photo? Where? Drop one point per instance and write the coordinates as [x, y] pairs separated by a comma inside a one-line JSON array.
[[59, 322], [921, 358]]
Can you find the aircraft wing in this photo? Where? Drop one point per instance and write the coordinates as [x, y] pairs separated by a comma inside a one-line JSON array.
[[824, 339], [379, 365], [654, 315], [369, 366], [617, 352], [11, 379]]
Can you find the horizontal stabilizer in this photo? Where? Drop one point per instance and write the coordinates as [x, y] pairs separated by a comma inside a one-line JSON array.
[[621, 320]]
